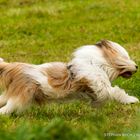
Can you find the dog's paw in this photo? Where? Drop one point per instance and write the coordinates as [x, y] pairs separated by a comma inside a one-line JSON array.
[[131, 100], [4, 111]]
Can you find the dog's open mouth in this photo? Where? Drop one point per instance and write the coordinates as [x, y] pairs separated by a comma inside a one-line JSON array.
[[126, 74]]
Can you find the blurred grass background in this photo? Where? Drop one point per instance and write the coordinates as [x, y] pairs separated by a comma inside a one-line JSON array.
[[38, 31]]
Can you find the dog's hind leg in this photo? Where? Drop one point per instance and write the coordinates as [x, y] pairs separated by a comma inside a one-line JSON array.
[[15, 104], [9, 107], [3, 99]]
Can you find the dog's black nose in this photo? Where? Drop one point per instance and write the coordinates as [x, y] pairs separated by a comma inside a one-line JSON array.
[[136, 66]]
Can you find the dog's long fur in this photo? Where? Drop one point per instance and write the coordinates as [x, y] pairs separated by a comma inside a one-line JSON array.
[[90, 73]]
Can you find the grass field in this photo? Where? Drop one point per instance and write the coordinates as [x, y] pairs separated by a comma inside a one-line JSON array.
[[38, 31]]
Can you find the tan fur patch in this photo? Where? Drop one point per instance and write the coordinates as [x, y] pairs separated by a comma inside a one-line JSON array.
[[59, 76], [83, 85], [109, 52], [39, 96]]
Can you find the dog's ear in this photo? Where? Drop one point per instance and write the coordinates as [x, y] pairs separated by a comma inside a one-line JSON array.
[[109, 52], [105, 44]]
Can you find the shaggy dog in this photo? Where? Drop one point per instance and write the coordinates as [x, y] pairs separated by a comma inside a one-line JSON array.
[[90, 74]]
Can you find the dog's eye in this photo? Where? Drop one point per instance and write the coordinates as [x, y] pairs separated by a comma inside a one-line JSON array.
[[121, 66]]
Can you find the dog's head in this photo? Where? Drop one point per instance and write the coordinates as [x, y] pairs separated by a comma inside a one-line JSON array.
[[118, 58]]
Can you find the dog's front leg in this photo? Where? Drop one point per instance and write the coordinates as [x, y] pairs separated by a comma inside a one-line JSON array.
[[100, 84], [121, 96], [103, 90]]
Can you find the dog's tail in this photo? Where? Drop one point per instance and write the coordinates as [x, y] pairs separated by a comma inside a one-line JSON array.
[[3, 75], [59, 76], [2, 65]]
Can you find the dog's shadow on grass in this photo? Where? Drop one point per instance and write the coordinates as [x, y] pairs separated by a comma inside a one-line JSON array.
[[77, 111], [67, 111]]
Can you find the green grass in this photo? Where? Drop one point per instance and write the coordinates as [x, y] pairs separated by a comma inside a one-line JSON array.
[[38, 31]]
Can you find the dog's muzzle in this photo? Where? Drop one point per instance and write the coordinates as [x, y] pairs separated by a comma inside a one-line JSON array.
[[128, 74]]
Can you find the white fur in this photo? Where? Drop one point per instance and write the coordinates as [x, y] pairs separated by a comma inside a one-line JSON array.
[[36, 74], [120, 49]]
